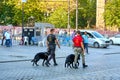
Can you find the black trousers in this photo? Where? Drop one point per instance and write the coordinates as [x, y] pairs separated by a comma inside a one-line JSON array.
[[51, 51], [3, 40]]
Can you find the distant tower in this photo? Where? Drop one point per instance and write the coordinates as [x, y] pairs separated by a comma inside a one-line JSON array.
[[100, 24]]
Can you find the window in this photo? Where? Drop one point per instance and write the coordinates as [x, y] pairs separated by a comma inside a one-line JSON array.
[[98, 35], [90, 35], [38, 32], [117, 36]]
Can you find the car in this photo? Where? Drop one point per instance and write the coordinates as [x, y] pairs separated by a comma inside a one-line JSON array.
[[115, 39], [96, 39]]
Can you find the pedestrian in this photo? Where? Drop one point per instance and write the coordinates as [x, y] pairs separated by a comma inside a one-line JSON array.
[[11, 37], [8, 39], [3, 34], [51, 45], [64, 37], [44, 38], [73, 34], [78, 49], [85, 38]]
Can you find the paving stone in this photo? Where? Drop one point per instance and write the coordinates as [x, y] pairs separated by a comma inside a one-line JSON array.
[[100, 66]]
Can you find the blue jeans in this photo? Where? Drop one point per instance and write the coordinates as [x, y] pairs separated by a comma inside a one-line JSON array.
[[8, 42], [86, 47]]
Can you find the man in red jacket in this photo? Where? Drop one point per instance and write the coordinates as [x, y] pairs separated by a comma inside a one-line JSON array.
[[78, 49]]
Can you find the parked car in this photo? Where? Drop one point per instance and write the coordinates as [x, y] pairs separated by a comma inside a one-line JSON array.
[[115, 39], [96, 39]]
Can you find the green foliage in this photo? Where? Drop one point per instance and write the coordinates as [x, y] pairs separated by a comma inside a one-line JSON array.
[[53, 12], [112, 13], [59, 18], [30, 9], [86, 13], [6, 13]]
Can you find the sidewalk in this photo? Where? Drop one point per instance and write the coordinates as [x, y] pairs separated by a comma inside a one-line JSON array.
[[22, 52]]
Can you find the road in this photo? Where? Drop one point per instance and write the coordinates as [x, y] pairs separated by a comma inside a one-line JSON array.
[[103, 64]]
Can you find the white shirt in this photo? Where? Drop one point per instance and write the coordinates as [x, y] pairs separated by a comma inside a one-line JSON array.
[[7, 35]]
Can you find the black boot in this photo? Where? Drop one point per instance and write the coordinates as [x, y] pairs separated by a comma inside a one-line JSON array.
[[55, 64], [76, 67], [54, 60], [47, 63], [84, 66]]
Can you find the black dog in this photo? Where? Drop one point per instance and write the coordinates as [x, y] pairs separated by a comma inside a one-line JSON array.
[[70, 59], [40, 55]]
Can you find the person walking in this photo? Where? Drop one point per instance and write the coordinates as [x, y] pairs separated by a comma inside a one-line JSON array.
[[3, 38], [78, 49], [51, 45], [85, 38], [8, 38], [73, 34]]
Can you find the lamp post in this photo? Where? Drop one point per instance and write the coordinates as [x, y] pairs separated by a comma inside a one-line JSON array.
[[23, 1], [69, 16], [76, 14]]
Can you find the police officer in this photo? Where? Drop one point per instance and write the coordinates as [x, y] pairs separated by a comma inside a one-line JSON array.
[[51, 45]]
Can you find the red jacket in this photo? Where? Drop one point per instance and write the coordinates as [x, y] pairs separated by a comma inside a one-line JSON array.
[[77, 41]]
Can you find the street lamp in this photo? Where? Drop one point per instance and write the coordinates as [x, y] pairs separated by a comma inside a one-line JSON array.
[[23, 1]]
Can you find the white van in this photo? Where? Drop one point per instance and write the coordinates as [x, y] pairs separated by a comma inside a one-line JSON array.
[[96, 39]]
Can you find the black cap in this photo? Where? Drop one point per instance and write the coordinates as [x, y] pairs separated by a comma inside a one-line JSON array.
[[78, 32]]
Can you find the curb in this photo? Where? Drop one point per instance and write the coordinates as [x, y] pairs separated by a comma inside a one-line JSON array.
[[23, 60]]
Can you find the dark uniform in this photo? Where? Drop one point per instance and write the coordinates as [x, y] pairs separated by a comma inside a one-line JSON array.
[[51, 48]]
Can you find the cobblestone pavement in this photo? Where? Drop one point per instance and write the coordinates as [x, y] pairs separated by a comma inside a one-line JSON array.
[[103, 64]]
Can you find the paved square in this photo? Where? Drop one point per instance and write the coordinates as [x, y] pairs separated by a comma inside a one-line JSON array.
[[103, 64]]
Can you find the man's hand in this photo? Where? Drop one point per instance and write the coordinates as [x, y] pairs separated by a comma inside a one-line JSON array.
[[83, 52], [47, 48], [58, 46], [57, 43]]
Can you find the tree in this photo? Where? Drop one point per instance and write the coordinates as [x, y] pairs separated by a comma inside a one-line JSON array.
[[86, 13], [53, 11], [12, 12], [30, 9], [6, 12], [59, 18], [112, 13]]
